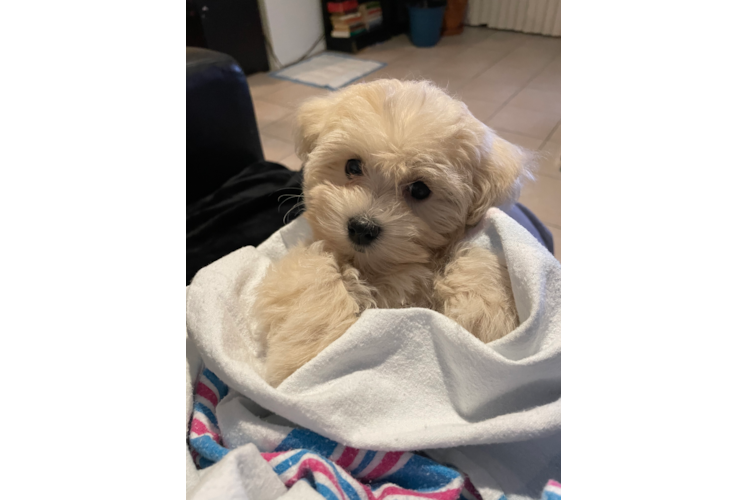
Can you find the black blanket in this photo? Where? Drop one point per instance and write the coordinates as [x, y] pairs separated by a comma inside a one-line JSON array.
[[246, 210]]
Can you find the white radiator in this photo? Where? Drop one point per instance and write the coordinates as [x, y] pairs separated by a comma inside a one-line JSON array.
[[530, 16]]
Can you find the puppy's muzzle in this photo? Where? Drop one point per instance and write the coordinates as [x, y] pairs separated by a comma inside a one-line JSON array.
[[363, 231]]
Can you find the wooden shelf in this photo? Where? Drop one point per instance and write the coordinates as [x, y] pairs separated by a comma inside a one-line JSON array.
[[394, 22], [357, 42]]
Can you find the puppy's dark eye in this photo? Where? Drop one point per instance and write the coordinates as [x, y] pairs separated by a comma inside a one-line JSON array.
[[353, 167], [419, 190]]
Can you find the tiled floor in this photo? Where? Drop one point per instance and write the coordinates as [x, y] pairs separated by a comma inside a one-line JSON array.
[[510, 81]]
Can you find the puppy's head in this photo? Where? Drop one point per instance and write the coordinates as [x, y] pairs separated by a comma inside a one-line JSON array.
[[395, 171]]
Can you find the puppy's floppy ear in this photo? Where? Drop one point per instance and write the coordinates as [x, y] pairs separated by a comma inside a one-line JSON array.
[[498, 176], [310, 121]]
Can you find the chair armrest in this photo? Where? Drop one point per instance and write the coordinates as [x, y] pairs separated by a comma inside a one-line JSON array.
[[222, 132]]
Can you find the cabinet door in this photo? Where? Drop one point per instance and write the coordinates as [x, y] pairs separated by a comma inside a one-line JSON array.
[[234, 28], [195, 36]]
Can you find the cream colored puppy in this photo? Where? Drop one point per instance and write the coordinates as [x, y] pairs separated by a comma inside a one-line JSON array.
[[394, 174]]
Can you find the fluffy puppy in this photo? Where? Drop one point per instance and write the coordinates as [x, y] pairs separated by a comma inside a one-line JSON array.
[[394, 174]]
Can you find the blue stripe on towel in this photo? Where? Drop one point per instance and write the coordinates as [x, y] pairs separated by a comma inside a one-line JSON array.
[[199, 407], [289, 462], [423, 474], [325, 492], [367, 459], [223, 389], [349, 490], [303, 438], [208, 448]]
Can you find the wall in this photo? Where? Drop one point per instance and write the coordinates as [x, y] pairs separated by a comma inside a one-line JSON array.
[[292, 27], [531, 16]]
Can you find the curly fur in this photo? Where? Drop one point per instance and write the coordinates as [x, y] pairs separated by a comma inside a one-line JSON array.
[[402, 132]]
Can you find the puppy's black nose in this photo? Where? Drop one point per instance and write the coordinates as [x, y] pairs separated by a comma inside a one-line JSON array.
[[362, 231]]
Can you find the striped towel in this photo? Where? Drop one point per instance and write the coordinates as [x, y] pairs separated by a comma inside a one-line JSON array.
[[206, 445], [552, 491], [335, 471]]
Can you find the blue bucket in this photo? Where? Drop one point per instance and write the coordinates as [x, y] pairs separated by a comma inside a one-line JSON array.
[[425, 25]]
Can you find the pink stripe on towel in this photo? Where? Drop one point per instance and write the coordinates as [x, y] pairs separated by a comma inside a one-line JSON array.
[[388, 461], [436, 495], [315, 465], [199, 428], [205, 392], [346, 459]]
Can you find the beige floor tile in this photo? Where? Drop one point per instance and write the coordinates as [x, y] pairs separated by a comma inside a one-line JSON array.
[[281, 129], [524, 141], [528, 62], [546, 83], [562, 139], [524, 121], [268, 112], [500, 41], [275, 149], [555, 137], [421, 59], [443, 50], [498, 51], [396, 71], [511, 76], [482, 110], [377, 75], [293, 95], [549, 79], [384, 54], [543, 197], [451, 84], [546, 44], [487, 90], [291, 162], [475, 53], [538, 100], [549, 160], [554, 67], [462, 66], [261, 84], [541, 46], [456, 70]]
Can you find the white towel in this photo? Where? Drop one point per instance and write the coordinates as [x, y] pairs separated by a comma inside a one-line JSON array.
[[244, 475], [406, 379]]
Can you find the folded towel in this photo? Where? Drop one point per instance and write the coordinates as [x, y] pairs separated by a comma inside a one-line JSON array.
[[400, 380]]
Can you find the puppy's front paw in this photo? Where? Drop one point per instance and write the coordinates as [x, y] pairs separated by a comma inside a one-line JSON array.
[[302, 306], [475, 291]]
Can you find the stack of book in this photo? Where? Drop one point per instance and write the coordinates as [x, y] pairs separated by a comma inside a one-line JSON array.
[[347, 20], [372, 14]]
